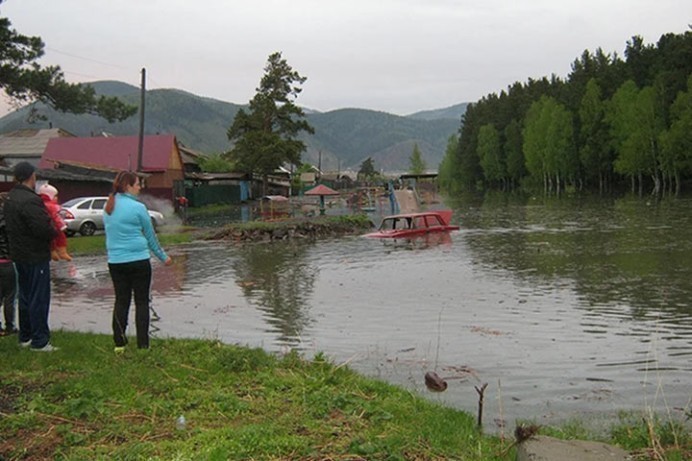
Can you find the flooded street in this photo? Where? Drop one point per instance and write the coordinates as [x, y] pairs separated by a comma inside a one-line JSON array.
[[565, 308]]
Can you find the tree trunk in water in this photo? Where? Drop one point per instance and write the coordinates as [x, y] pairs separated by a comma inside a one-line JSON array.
[[601, 185], [657, 184], [265, 184], [640, 178], [633, 183]]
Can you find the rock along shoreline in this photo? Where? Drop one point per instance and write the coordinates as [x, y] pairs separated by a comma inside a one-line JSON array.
[[301, 229]]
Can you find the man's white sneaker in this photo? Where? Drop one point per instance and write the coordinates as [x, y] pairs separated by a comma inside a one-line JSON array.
[[47, 348], [25, 343]]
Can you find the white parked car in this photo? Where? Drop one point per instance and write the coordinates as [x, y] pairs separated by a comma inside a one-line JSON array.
[[85, 215]]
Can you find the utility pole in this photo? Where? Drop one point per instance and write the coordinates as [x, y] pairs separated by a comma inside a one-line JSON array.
[[140, 147], [319, 167]]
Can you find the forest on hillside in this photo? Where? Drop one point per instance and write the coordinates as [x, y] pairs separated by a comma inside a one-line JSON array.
[[613, 123], [343, 137]]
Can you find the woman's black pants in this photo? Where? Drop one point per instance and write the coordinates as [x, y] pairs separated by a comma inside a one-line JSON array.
[[128, 278]]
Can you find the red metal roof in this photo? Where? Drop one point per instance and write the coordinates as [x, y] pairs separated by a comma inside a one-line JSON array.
[[117, 152], [321, 190]]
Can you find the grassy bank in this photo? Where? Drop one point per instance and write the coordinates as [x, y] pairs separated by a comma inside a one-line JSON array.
[[85, 402], [256, 231], [96, 244]]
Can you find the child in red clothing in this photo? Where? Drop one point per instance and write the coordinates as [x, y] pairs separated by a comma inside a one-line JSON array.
[[58, 247]]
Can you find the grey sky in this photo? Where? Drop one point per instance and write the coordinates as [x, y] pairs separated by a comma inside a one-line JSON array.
[[399, 56]]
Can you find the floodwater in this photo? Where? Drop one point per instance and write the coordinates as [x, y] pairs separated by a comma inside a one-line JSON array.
[[569, 308]]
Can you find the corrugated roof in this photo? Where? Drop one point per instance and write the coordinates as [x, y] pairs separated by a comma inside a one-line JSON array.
[[28, 142], [190, 155], [212, 176], [118, 152], [63, 174]]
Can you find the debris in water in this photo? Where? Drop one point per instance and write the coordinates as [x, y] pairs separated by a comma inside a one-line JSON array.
[[434, 383]]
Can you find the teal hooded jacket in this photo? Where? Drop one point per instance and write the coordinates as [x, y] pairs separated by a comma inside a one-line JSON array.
[[130, 235]]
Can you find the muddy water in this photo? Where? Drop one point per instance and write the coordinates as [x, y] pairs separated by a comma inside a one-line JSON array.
[[566, 308]]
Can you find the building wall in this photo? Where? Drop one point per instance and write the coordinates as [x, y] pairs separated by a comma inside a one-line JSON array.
[[208, 195], [163, 193], [68, 190], [166, 179]]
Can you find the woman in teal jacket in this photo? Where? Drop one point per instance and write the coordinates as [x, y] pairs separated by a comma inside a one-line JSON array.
[[130, 238]]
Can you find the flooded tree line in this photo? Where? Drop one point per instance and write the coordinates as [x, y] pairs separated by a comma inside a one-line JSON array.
[[612, 124]]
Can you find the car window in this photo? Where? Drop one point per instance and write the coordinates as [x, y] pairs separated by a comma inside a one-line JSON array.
[[85, 205], [99, 204], [401, 223], [419, 222], [72, 202]]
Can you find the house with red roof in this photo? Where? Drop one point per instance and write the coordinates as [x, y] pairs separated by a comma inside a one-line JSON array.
[[161, 164]]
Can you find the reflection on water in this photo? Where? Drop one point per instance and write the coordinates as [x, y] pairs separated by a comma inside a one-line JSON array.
[[566, 308], [280, 284]]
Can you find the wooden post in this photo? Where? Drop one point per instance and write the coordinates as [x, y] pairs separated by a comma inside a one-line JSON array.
[[480, 391], [140, 146]]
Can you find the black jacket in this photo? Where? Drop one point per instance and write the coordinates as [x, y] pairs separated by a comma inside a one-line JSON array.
[[29, 226], [4, 244]]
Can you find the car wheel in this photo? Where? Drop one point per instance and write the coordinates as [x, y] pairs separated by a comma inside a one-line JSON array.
[[153, 224], [88, 228]]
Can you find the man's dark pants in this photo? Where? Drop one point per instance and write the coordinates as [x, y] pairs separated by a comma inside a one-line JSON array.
[[34, 303]]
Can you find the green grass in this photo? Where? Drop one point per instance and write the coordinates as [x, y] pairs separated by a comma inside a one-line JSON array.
[[654, 436], [96, 244], [357, 220], [208, 210], [85, 402]]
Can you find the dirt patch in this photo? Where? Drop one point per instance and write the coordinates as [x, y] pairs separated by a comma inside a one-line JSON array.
[[9, 393], [37, 444]]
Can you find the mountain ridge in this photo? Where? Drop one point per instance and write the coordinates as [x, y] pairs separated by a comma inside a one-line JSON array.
[[343, 137]]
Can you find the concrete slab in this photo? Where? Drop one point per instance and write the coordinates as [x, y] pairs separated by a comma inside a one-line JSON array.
[[543, 448]]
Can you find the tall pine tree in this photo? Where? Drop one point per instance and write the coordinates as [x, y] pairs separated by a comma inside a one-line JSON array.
[[265, 136]]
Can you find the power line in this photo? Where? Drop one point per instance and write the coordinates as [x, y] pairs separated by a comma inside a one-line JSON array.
[[86, 59], [72, 55], [79, 74], [90, 76], [96, 77]]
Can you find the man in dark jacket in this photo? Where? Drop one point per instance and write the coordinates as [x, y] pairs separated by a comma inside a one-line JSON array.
[[30, 230]]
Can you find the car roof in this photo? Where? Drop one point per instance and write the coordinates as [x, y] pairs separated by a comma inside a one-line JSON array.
[[88, 198], [82, 199]]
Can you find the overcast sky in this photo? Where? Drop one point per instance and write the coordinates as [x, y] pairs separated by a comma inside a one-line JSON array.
[[398, 56]]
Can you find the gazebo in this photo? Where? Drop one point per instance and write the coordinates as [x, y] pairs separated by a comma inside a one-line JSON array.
[[321, 190]]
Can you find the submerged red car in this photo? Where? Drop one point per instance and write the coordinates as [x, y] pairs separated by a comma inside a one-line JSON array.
[[414, 224]]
